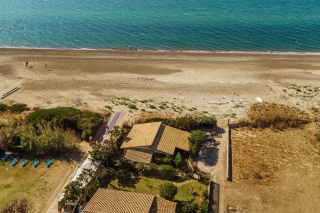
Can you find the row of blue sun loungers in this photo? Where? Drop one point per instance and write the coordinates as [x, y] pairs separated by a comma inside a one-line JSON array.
[[25, 161], [4, 157]]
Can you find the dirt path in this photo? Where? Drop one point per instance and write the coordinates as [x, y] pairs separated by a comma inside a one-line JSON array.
[[219, 171], [52, 203]]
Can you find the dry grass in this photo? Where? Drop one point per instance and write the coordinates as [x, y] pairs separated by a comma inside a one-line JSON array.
[[276, 116], [259, 154], [275, 171]]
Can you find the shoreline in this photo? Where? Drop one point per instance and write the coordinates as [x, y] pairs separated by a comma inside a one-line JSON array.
[[167, 51], [220, 83]]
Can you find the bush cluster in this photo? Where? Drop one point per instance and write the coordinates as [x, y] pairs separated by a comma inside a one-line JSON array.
[[277, 116], [160, 159], [196, 140], [147, 169], [14, 108], [84, 122], [168, 190], [186, 123], [45, 139]]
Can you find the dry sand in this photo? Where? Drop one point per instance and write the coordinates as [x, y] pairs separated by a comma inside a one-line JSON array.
[[220, 83]]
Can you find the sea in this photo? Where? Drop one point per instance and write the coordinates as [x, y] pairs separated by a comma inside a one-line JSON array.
[[199, 25]]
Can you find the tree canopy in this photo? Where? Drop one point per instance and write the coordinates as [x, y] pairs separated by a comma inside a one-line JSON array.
[[196, 139], [168, 190]]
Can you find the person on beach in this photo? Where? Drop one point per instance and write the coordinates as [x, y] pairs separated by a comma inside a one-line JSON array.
[[45, 66], [27, 63]]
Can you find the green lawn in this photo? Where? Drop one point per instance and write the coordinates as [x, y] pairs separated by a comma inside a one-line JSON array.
[[20, 182], [26, 182], [150, 185], [183, 191]]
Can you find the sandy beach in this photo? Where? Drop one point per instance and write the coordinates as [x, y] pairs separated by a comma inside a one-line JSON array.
[[220, 83]]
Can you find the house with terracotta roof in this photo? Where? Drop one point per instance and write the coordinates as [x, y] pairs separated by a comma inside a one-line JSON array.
[[115, 201], [145, 139]]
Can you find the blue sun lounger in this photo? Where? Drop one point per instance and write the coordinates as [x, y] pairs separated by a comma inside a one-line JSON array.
[[36, 163], [4, 157], [14, 162], [49, 163], [24, 162]]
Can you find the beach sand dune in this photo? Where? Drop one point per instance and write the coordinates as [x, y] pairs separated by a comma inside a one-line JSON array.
[[211, 82]]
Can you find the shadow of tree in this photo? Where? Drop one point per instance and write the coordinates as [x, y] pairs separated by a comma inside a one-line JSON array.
[[219, 130], [209, 153], [131, 183]]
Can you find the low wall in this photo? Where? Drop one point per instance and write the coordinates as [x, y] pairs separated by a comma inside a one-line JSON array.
[[229, 153], [214, 193]]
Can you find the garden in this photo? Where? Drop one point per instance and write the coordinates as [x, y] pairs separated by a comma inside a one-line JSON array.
[[39, 134]]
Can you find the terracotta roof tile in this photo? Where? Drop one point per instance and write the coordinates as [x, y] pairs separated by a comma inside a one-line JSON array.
[[165, 206], [169, 138], [139, 155], [114, 201], [141, 135]]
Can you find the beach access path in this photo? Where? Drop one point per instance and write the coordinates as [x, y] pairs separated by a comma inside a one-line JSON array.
[[218, 172]]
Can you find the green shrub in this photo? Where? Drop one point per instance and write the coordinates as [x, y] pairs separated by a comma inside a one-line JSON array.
[[187, 162], [205, 194], [36, 109], [204, 180], [108, 107], [204, 206], [91, 190], [189, 206], [62, 203], [167, 160], [18, 108], [167, 171], [205, 121], [177, 160], [3, 107], [7, 186], [142, 168], [85, 122], [132, 106], [152, 107], [65, 117], [168, 190], [123, 176], [196, 140], [152, 168]]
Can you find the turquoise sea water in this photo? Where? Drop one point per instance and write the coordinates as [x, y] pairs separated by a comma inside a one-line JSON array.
[[225, 25]]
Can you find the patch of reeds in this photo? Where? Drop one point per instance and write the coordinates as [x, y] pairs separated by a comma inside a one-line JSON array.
[[276, 116]]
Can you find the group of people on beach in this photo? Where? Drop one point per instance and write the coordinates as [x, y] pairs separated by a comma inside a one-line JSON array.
[[27, 63]]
